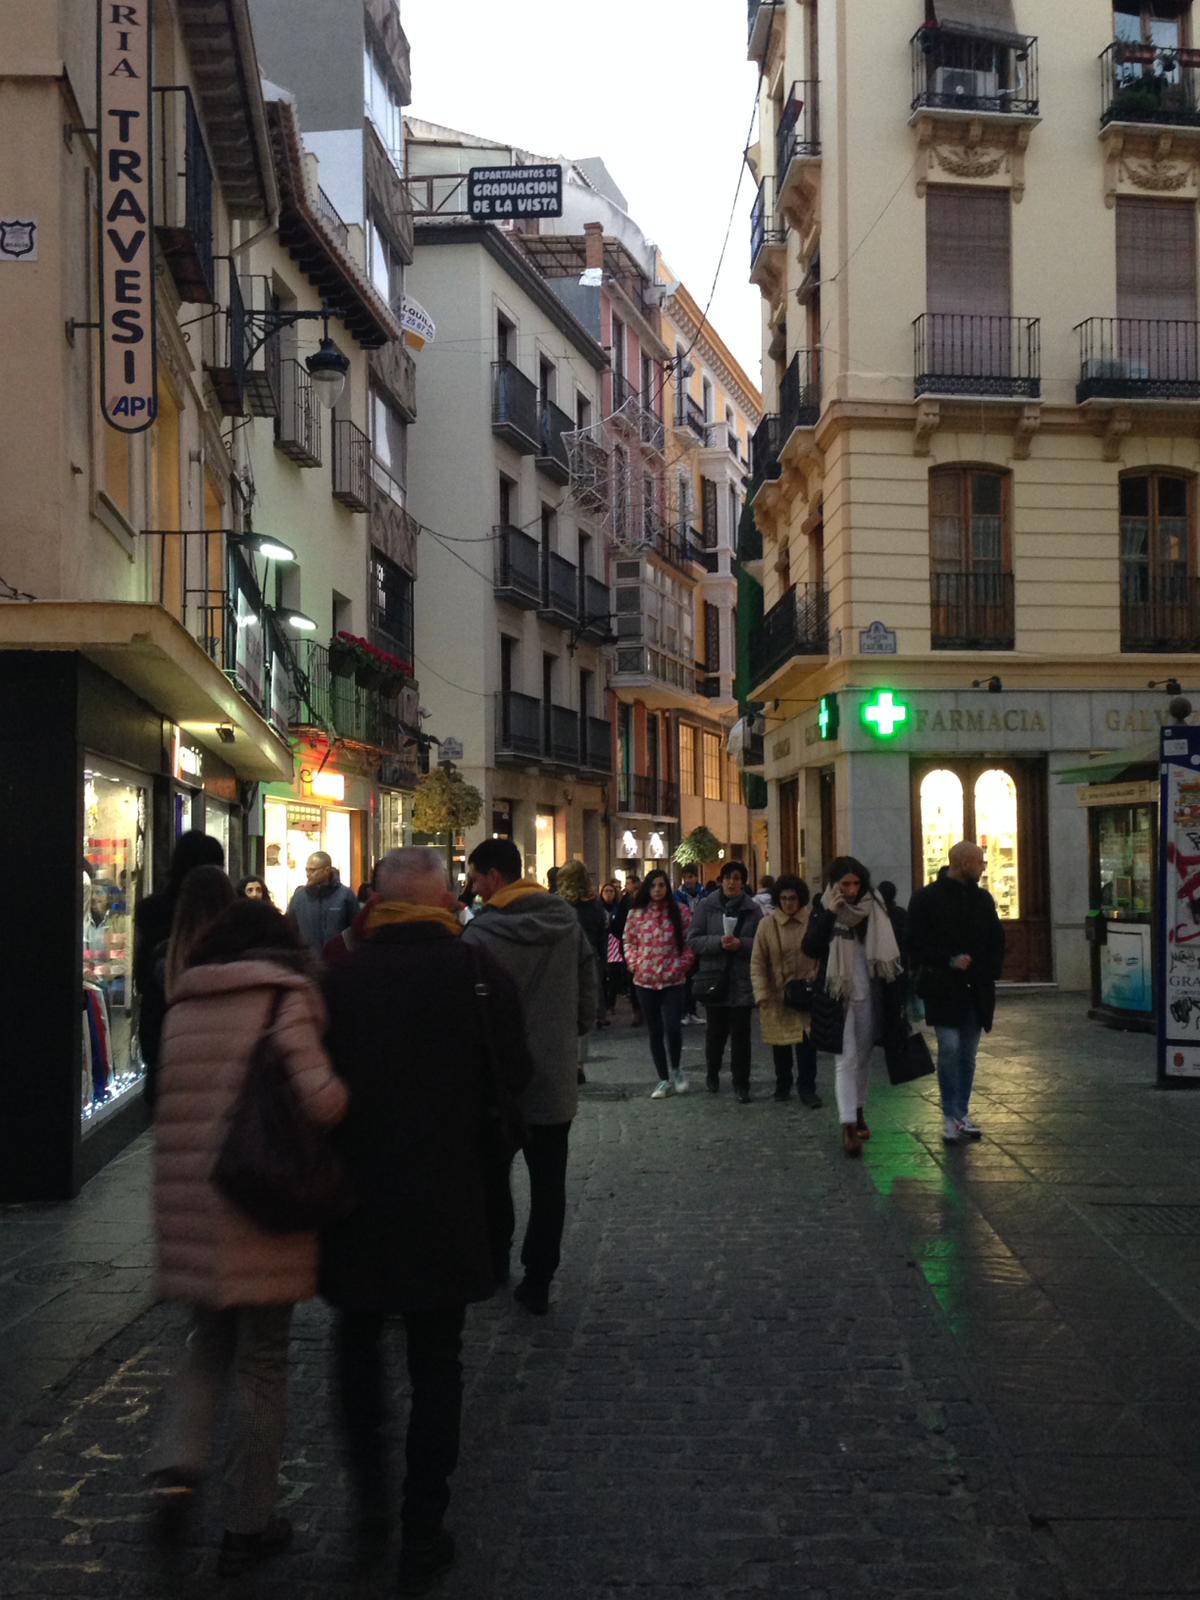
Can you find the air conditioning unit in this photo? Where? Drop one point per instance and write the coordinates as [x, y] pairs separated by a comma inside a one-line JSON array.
[[965, 83]]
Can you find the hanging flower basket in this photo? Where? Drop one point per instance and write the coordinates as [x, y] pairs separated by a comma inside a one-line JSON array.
[[370, 667], [369, 676]]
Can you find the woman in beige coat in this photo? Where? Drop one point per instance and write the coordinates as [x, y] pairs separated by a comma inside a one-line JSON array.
[[240, 1282], [775, 960]]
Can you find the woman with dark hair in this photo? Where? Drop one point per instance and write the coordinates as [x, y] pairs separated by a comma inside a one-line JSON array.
[[247, 977], [206, 892], [657, 954], [254, 888], [776, 959], [851, 936], [616, 977], [152, 920]]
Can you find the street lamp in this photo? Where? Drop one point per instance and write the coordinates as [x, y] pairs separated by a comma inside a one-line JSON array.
[[297, 620], [327, 367], [262, 544]]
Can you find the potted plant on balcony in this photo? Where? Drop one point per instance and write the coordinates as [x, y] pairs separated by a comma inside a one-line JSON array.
[[371, 667], [341, 656]]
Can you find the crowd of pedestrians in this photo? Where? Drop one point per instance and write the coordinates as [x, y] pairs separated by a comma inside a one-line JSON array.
[[330, 1005]]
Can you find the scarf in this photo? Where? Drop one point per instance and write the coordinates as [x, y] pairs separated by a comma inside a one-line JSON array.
[[516, 891], [882, 951], [393, 913]]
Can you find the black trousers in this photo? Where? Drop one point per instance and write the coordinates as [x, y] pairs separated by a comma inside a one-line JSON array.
[[663, 1011], [806, 1066], [434, 1340], [730, 1023], [545, 1152]]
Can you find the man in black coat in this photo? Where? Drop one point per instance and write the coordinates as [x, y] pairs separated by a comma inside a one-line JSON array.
[[429, 1036], [956, 945]]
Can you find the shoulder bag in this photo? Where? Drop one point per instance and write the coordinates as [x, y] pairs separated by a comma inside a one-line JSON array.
[[711, 988], [274, 1165], [910, 1060], [504, 1129]]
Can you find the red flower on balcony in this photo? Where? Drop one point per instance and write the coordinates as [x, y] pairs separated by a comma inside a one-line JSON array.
[[371, 667]]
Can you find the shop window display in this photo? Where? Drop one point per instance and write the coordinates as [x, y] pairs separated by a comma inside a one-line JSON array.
[[291, 832], [114, 869], [942, 819], [1125, 843], [996, 832]]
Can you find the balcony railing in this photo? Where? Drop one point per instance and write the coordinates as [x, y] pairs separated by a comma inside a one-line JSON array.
[[797, 625], [625, 395], [700, 550], [518, 568], [298, 420], [1132, 358], [1146, 84], [957, 354], [1161, 613], [960, 70], [351, 466], [597, 744], [560, 590], [799, 136], [971, 610], [319, 699], [764, 451], [561, 735], [765, 230], [643, 661], [518, 725], [225, 336], [764, 20], [515, 408], [647, 797], [652, 430], [595, 607], [552, 449], [185, 195], [333, 219], [800, 394]]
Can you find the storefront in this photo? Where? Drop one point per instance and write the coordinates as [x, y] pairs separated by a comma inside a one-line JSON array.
[[896, 776], [639, 847], [329, 809]]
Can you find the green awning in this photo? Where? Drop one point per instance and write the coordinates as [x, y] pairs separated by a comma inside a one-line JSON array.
[[1113, 764]]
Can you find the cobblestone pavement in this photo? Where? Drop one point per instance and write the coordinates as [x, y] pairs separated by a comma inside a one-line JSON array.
[[767, 1370]]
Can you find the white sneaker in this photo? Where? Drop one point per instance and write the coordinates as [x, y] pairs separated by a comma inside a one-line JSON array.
[[686, 1021], [952, 1130], [970, 1128], [679, 1081], [662, 1089]]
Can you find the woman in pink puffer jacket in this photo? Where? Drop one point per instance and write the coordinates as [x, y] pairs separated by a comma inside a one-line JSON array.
[[659, 961]]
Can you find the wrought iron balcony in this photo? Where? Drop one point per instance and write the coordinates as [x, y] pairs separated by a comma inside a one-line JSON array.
[[351, 466], [515, 408], [184, 199], [800, 394], [638, 796], [958, 69], [1145, 84], [799, 136], [957, 354], [226, 340], [766, 234], [1134, 358], [625, 401], [689, 415], [319, 698], [298, 420], [971, 611], [796, 625], [652, 430], [764, 451], [333, 220], [518, 568], [595, 607], [560, 590], [518, 725], [764, 21], [708, 684], [561, 735], [597, 744], [1160, 614], [552, 451]]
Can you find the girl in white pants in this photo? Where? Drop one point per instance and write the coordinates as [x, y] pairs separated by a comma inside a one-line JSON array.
[[851, 935]]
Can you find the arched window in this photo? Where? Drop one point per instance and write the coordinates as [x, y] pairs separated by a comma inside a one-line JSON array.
[[942, 819], [996, 834], [971, 589], [1157, 561]]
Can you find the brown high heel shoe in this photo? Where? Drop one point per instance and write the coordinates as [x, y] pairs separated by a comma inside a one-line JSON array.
[[860, 1126], [851, 1143]]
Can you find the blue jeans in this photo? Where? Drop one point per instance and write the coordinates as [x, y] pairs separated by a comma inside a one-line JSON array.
[[957, 1048]]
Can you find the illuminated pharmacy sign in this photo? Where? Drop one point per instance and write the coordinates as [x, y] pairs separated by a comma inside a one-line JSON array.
[[883, 715]]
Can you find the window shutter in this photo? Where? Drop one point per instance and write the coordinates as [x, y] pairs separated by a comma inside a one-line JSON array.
[[968, 252], [1156, 259], [709, 490]]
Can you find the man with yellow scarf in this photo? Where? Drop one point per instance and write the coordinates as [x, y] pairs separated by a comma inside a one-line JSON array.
[[536, 937]]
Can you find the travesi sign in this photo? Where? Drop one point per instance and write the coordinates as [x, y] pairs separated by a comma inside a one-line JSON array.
[[128, 369]]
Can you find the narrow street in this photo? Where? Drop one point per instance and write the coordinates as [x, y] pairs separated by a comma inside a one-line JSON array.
[[767, 1370]]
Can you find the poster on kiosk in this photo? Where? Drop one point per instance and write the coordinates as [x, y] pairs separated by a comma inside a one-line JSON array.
[[1179, 907]]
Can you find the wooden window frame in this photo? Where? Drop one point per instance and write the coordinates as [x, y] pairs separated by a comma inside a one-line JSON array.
[[1153, 475], [966, 470]]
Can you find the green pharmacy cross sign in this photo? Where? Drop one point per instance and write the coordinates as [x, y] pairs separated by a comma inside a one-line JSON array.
[[884, 715], [827, 717]]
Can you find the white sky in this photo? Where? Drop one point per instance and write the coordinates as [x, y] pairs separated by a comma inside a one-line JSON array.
[[660, 89]]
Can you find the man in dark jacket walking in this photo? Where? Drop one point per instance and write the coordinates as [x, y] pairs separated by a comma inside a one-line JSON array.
[[722, 935], [537, 939], [323, 906], [429, 1106], [956, 945]]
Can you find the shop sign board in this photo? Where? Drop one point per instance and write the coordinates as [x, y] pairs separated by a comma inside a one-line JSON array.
[[498, 193], [1118, 794], [128, 372], [249, 654], [1179, 906]]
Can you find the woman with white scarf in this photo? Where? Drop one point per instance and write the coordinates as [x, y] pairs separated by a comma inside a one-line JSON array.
[[851, 935]]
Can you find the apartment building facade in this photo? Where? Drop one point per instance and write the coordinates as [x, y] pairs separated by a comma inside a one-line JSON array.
[[975, 482]]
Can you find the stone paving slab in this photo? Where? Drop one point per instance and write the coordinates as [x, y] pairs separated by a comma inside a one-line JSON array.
[[768, 1370]]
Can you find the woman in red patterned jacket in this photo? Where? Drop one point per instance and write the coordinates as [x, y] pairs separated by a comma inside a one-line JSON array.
[[659, 960]]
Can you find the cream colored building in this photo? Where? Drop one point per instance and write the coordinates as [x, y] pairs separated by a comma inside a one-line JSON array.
[[975, 239]]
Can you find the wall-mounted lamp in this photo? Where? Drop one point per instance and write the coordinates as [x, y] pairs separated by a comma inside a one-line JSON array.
[[327, 367], [993, 684], [262, 544], [1171, 685], [225, 733], [297, 620]]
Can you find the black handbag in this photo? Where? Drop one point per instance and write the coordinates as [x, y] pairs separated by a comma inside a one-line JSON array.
[[909, 1060], [799, 994], [274, 1165], [828, 1021], [711, 988]]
